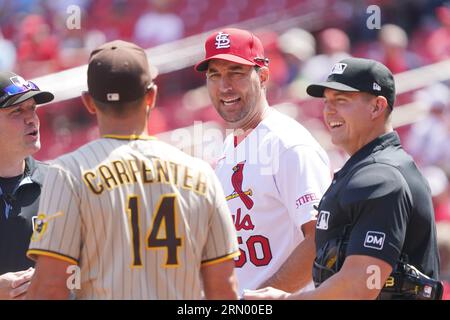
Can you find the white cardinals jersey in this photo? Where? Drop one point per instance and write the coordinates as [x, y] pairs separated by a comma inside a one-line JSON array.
[[271, 181]]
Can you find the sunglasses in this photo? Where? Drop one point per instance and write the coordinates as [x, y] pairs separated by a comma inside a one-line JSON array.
[[15, 89]]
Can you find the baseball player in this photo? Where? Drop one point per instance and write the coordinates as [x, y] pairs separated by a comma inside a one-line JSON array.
[[272, 170], [21, 178], [141, 219]]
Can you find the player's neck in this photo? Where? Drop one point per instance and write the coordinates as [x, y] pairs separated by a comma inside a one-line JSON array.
[[123, 131], [123, 126], [11, 167], [245, 129]]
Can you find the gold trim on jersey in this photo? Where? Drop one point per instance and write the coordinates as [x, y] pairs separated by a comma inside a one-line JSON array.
[[51, 254], [221, 259], [128, 137]]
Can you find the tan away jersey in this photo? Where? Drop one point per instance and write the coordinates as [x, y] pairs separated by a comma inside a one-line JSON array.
[[139, 218]]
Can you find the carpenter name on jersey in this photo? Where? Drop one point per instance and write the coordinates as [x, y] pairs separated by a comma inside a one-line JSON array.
[[155, 170]]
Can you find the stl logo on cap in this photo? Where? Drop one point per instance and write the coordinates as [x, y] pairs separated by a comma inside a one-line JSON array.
[[222, 40], [339, 68]]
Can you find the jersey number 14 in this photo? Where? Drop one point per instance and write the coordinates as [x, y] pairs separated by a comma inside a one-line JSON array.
[[163, 218]]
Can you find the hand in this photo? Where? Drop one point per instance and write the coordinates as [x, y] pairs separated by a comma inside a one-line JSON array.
[[14, 285], [268, 293]]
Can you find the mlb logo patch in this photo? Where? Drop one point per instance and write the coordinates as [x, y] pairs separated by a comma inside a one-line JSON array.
[[113, 97], [322, 220], [339, 68], [374, 240]]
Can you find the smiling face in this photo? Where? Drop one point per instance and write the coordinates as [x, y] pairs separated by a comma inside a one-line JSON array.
[[349, 118], [19, 130], [236, 91]]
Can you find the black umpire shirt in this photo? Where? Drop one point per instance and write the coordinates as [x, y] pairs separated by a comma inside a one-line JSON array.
[[384, 202], [19, 203]]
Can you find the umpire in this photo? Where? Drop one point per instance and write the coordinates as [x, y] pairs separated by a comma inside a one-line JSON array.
[[21, 178], [375, 230]]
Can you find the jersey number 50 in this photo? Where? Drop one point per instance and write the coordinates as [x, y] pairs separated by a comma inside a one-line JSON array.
[[164, 217], [251, 243]]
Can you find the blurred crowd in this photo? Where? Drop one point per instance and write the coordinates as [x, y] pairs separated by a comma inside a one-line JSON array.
[[35, 41]]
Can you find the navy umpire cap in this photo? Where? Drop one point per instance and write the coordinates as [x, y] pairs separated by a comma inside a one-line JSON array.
[[358, 75], [14, 89]]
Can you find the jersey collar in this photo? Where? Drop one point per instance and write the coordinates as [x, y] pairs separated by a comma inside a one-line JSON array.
[[379, 143], [128, 137]]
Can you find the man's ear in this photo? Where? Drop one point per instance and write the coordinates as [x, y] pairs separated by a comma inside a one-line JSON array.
[[264, 76], [379, 107], [150, 96], [88, 102]]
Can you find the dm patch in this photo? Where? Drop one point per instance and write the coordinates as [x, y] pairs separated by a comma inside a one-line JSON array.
[[374, 240]]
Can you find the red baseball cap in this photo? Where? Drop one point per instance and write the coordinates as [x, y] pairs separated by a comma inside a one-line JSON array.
[[234, 45]]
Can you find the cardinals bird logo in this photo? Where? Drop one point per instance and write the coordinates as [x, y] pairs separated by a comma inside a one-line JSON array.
[[236, 180]]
